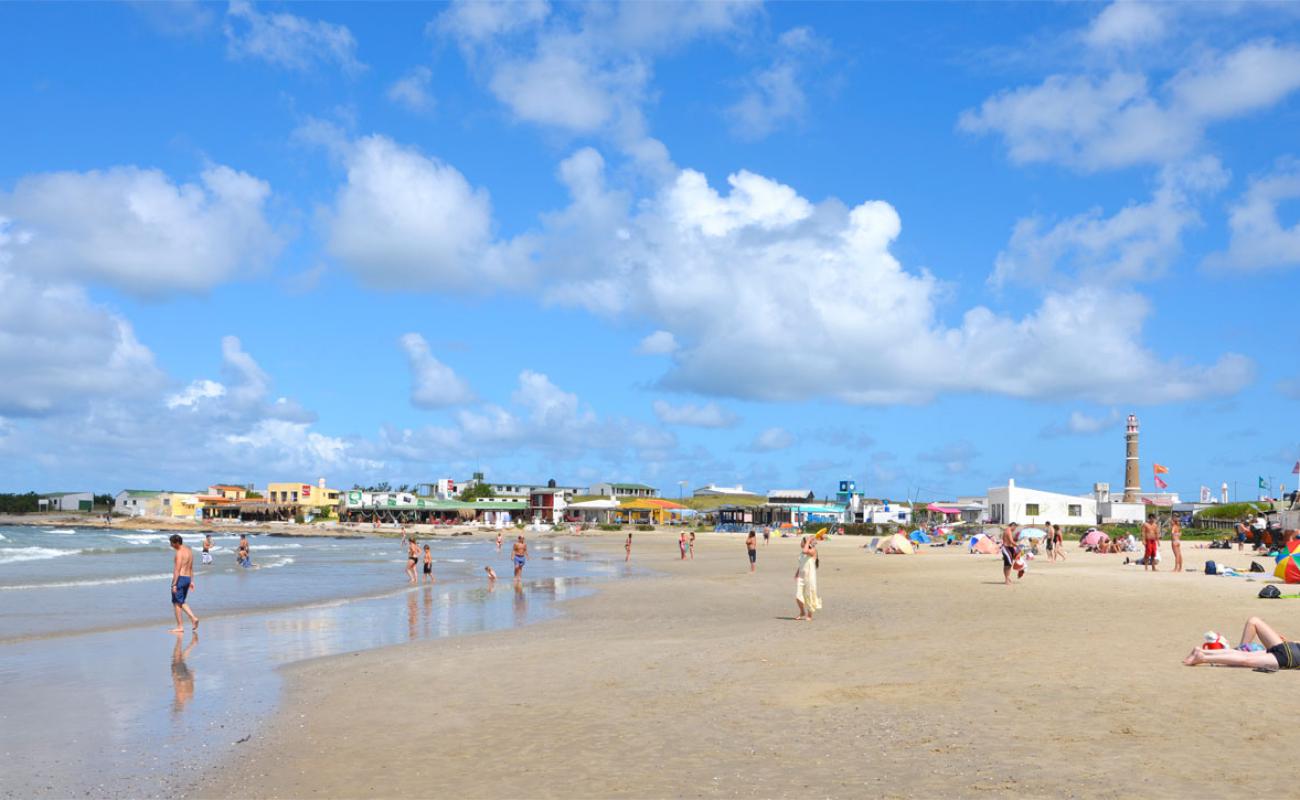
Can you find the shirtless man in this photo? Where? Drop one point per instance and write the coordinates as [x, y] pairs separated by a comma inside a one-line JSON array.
[[182, 582], [412, 558], [242, 555], [499, 539], [1176, 542], [627, 549], [751, 544], [519, 554], [1008, 552], [1150, 543], [207, 548]]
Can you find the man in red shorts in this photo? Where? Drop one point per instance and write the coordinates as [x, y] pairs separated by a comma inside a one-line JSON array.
[[1150, 542]]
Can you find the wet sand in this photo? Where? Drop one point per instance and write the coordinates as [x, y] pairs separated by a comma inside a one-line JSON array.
[[922, 676]]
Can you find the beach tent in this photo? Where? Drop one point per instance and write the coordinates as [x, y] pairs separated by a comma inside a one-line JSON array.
[[1093, 538], [983, 543], [920, 537], [1032, 533], [898, 544]]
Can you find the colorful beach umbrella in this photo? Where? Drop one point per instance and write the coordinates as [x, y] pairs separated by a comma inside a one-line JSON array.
[[1288, 566]]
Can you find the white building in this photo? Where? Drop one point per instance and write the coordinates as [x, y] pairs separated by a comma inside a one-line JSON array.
[[138, 502], [790, 497], [886, 514], [66, 501], [1013, 503], [1116, 512], [624, 491], [713, 490]]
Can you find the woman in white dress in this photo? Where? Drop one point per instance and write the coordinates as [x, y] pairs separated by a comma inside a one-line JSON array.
[[805, 580]]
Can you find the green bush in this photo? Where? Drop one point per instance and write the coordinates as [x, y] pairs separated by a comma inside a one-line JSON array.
[[605, 526], [1231, 511], [645, 527]]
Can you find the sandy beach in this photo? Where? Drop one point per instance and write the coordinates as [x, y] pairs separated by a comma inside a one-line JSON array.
[[921, 676]]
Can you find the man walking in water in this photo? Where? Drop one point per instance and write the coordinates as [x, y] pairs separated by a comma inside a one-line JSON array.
[[519, 555], [498, 541], [1150, 543], [182, 582], [751, 544], [242, 556]]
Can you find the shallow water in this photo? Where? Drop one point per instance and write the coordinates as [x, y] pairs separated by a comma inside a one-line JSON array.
[[99, 698]]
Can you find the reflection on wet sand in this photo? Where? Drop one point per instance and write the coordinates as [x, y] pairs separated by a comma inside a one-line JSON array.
[[182, 676]]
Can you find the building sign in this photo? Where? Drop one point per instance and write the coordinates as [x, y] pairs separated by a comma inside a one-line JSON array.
[[306, 491]]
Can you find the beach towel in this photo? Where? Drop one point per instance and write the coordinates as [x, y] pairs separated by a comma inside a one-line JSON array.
[[805, 586]]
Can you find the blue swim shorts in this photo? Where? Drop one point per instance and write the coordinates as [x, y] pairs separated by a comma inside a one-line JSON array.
[[519, 561], [182, 591]]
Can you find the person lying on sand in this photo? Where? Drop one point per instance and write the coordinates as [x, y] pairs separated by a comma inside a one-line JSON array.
[[1278, 653]]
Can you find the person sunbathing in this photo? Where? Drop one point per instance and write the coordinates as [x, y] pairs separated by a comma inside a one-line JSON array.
[[1278, 653]]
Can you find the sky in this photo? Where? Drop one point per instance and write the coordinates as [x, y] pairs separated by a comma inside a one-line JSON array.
[[927, 247]]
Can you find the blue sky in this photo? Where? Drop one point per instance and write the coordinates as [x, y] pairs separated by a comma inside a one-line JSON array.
[[928, 247]]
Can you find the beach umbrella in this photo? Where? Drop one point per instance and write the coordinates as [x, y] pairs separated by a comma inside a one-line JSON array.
[[1032, 533], [1093, 537], [1288, 567], [821, 534]]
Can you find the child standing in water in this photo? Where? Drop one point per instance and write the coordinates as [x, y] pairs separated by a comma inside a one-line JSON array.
[[627, 548], [692, 545], [428, 564]]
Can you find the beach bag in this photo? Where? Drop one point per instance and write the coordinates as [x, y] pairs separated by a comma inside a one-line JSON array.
[[1211, 568], [1270, 592], [1255, 567]]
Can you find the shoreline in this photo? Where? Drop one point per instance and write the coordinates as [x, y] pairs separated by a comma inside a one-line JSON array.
[[921, 676]]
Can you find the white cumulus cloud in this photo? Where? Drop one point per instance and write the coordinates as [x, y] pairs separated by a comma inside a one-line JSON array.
[[412, 90], [775, 95], [138, 230], [433, 383], [1127, 24], [1259, 240], [659, 343]]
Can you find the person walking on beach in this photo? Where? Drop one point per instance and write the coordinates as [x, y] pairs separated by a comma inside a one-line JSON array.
[[627, 549], [692, 545], [182, 582], [805, 580], [207, 548], [681, 544], [751, 545], [428, 564], [1150, 543], [500, 540], [412, 558], [243, 554], [1058, 541], [519, 555], [1009, 552], [767, 536], [1050, 542], [1176, 543]]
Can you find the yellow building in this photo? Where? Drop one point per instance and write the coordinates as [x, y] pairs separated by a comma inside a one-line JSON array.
[[227, 491], [303, 494], [180, 504]]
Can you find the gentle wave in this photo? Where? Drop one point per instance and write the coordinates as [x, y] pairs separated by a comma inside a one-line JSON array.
[[12, 555], [60, 530], [93, 582]]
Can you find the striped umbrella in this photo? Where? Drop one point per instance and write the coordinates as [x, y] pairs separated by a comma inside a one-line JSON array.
[[1288, 566]]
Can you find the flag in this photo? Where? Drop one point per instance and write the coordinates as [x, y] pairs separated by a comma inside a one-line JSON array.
[[1205, 494], [1296, 469], [1160, 470], [1263, 484], [1160, 484]]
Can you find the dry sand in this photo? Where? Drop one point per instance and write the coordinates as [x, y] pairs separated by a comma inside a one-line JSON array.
[[922, 676]]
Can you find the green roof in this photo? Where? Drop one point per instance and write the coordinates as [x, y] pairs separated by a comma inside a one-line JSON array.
[[142, 492], [631, 486], [59, 494]]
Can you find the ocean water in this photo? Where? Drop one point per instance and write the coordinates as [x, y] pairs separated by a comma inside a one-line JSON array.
[[98, 697]]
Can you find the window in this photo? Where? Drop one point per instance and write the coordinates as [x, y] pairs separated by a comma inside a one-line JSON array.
[[1076, 511], [1031, 509]]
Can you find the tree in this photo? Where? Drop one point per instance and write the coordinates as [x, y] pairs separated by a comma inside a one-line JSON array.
[[476, 491]]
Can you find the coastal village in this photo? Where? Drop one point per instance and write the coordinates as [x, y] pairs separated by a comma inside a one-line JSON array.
[[481, 502]]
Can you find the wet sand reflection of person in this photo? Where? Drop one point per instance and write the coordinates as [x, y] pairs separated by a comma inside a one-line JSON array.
[[412, 616], [427, 609], [182, 677], [521, 604]]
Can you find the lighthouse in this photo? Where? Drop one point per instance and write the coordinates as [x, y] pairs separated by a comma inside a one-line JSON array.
[[1132, 474]]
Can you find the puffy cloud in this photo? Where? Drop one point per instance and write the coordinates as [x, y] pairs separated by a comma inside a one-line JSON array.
[[1136, 243], [433, 383], [483, 20], [1096, 122], [412, 90], [199, 390], [288, 41], [406, 220], [705, 415], [1258, 239], [770, 296], [659, 343], [775, 95], [139, 231], [772, 439], [1126, 24], [1081, 424], [59, 350]]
